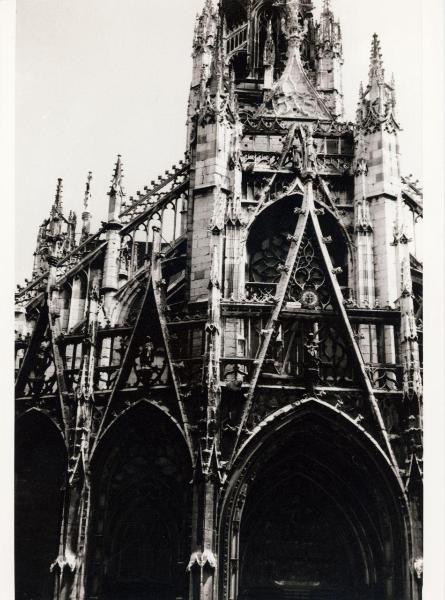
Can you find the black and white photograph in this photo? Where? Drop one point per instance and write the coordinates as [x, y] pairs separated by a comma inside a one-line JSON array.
[[219, 306]]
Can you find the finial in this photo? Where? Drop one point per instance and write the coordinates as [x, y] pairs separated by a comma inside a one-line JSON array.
[[87, 196], [58, 203], [326, 6], [375, 47], [291, 23], [225, 27], [209, 8], [116, 192], [219, 63], [118, 175], [361, 97], [393, 90], [376, 70]]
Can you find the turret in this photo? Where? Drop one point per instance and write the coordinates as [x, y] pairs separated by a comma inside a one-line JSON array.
[[110, 282], [330, 61], [203, 47], [376, 118], [213, 132], [379, 186], [57, 234]]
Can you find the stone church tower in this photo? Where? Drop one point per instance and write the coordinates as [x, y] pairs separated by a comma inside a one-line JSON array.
[[219, 393]]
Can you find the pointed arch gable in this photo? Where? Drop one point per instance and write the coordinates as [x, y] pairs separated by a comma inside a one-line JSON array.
[[284, 417], [142, 402], [45, 418], [329, 222]]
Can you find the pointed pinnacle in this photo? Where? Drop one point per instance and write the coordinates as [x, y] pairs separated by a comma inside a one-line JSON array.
[[225, 28], [87, 191], [393, 90], [214, 271], [376, 52], [116, 182], [58, 200], [376, 71], [208, 7], [326, 6]]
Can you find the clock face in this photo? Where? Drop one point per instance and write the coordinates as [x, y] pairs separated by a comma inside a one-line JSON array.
[[309, 299]]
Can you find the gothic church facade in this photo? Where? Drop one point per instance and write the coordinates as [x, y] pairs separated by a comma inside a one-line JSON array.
[[218, 393]]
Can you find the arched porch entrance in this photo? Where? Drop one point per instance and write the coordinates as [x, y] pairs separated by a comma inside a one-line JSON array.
[[40, 469], [139, 536], [314, 514]]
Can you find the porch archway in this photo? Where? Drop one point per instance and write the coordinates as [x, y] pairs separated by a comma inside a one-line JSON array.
[[40, 470], [139, 536], [314, 513]]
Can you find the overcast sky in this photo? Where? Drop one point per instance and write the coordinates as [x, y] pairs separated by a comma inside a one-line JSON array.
[[96, 78]]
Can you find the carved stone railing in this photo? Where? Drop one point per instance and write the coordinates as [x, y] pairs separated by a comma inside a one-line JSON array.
[[174, 179], [385, 377], [37, 286], [236, 40], [237, 372], [265, 292], [261, 292], [189, 370]]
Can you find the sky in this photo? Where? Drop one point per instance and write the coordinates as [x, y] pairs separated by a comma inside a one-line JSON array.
[[97, 78]]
